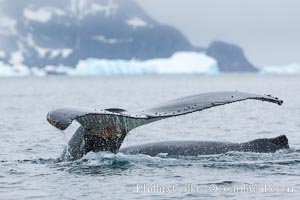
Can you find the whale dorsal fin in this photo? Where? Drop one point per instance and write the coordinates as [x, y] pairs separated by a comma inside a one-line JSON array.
[[281, 140]]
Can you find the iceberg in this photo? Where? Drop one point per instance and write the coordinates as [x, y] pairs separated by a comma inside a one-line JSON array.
[[16, 70], [178, 63], [287, 69]]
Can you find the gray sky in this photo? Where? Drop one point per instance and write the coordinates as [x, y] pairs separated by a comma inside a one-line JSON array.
[[268, 30]]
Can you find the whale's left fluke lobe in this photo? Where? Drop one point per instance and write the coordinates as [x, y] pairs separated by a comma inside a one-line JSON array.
[[204, 101], [105, 130]]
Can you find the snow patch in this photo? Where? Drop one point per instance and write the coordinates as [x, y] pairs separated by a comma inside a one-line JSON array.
[[287, 69], [54, 53], [16, 58], [2, 54], [137, 22], [82, 8], [43, 14], [102, 38], [63, 52], [41, 50], [7, 26], [109, 9]]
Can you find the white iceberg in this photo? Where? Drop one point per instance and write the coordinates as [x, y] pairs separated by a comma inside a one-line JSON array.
[[16, 70], [178, 63], [287, 69]]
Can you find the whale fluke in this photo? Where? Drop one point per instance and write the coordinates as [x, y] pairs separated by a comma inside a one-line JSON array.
[[61, 118], [105, 130]]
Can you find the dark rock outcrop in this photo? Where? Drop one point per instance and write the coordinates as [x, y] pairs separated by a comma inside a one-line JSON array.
[[230, 57]]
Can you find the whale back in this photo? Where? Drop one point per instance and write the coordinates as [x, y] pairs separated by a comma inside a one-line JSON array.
[[195, 148], [266, 145]]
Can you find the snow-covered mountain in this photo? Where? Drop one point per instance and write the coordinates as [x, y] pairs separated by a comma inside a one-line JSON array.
[[39, 33]]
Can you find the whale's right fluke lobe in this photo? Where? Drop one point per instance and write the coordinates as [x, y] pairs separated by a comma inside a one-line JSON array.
[[203, 101]]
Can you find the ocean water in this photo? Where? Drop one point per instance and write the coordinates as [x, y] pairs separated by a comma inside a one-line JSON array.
[[29, 145]]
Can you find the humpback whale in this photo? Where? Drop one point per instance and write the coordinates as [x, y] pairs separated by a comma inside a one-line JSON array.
[[106, 129], [195, 148]]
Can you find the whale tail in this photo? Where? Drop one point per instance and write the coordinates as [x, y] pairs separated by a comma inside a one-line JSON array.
[[105, 130], [281, 140]]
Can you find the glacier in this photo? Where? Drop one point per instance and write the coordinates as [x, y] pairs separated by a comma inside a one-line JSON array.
[[178, 63]]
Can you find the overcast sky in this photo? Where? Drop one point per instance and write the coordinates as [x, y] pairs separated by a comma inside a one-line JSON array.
[[268, 30]]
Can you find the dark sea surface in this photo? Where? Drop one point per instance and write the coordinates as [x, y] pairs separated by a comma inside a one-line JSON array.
[[29, 145]]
